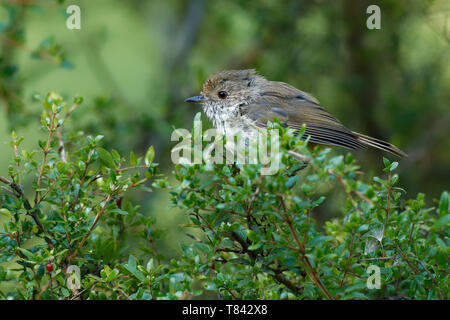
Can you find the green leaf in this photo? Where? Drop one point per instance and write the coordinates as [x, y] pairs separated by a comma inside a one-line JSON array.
[[443, 204], [78, 100], [131, 267], [441, 244], [291, 181], [65, 292], [5, 212], [133, 160], [119, 211], [27, 253], [442, 222], [112, 275], [149, 156], [363, 228], [393, 166], [354, 295], [210, 286], [253, 236], [116, 155], [255, 246], [55, 108], [106, 158], [150, 265]]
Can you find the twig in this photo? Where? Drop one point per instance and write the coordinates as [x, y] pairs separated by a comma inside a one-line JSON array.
[[97, 218], [8, 190], [249, 208], [47, 192], [61, 149], [33, 213], [299, 156], [131, 168], [83, 177], [344, 187], [348, 260], [277, 274], [406, 259], [293, 287], [387, 208], [43, 55], [410, 234], [303, 257], [378, 258], [432, 279], [46, 151]]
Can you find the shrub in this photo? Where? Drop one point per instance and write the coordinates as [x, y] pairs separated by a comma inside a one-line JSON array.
[[254, 236]]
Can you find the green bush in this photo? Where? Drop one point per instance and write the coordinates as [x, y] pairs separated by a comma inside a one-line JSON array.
[[253, 236]]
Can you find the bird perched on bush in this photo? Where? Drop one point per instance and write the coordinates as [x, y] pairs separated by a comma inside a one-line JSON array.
[[241, 100]]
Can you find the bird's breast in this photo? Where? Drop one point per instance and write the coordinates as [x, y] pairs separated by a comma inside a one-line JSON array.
[[225, 118]]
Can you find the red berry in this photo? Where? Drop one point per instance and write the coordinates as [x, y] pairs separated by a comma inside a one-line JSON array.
[[49, 267]]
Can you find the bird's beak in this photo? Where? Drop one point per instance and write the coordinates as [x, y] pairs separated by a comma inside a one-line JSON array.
[[196, 99]]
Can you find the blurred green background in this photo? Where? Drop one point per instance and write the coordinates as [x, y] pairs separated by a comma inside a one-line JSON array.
[[135, 62]]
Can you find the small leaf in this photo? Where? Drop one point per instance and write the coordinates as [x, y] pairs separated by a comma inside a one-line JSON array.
[[78, 100], [444, 221], [150, 265], [133, 160], [27, 253], [149, 156], [5, 212], [119, 211], [255, 246], [112, 275], [354, 295], [115, 155], [393, 166], [65, 292], [363, 228], [106, 158], [443, 204], [55, 108], [131, 267]]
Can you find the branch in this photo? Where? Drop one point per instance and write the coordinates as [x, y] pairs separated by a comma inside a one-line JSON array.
[[46, 151], [348, 260], [312, 273], [97, 218], [278, 274], [30, 211]]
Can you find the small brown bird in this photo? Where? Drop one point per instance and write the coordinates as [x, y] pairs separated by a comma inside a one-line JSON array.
[[240, 100]]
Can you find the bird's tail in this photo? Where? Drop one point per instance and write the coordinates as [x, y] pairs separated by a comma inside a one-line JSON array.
[[380, 144]]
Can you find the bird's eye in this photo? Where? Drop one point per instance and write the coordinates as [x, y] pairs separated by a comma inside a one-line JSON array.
[[222, 94]]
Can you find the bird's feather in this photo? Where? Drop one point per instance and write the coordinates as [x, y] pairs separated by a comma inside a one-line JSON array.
[[259, 100], [293, 108]]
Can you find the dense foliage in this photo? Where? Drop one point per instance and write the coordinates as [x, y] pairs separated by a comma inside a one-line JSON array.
[[73, 197], [254, 236]]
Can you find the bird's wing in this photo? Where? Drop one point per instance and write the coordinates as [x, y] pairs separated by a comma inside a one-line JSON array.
[[294, 108]]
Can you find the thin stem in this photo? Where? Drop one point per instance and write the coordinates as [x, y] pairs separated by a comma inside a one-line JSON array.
[[312, 273], [348, 260], [388, 197], [97, 218], [46, 151]]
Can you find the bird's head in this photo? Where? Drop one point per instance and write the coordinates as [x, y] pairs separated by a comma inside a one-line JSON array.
[[228, 89]]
